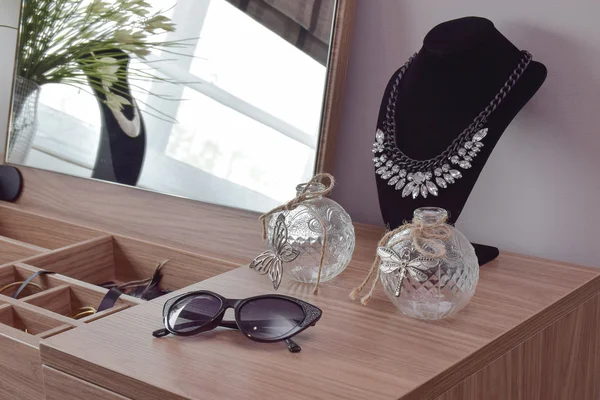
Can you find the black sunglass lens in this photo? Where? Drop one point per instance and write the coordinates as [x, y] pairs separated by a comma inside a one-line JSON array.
[[270, 318], [193, 312]]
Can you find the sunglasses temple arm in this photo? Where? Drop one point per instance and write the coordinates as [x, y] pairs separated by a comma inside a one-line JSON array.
[[293, 347], [160, 333]]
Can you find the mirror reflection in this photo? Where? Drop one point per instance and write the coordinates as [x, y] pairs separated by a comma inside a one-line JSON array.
[[214, 100]]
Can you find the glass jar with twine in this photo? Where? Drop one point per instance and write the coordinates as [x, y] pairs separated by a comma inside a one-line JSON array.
[[428, 268], [312, 234]]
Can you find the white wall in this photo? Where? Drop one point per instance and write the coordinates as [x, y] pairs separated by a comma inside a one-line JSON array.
[[540, 190], [9, 15]]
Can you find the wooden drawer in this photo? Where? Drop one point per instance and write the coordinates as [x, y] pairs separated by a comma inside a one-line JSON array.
[[60, 386]]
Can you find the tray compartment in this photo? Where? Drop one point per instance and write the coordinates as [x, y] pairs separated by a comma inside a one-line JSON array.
[[65, 299], [90, 261], [17, 273], [26, 320], [119, 259]]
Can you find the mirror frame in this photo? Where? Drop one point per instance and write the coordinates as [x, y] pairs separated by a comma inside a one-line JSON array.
[[186, 223], [336, 82]]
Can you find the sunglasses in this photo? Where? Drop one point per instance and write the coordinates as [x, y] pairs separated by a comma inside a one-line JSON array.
[[266, 319]]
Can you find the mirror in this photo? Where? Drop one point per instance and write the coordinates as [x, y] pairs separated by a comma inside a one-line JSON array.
[[220, 101]]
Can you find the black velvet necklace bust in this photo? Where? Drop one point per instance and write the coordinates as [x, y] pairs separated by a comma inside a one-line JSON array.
[[461, 67]]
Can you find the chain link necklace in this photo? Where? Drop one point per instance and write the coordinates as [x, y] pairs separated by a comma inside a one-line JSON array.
[[426, 177]]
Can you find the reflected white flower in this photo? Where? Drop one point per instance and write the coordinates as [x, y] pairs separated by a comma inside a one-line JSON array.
[[98, 7], [127, 36], [116, 102], [159, 22], [138, 50]]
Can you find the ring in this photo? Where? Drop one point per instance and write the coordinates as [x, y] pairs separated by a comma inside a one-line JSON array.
[[81, 312], [19, 283]]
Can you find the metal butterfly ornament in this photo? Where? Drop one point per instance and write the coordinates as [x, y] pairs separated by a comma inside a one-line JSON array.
[[271, 261], [402, 263]]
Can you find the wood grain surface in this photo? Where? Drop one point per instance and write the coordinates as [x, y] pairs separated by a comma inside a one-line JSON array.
[[11, 250], [561, 362], [38, 230], [216, 231], [135, 259], [115, 258], [354, 352], [60, 386], [90, 261], [20, 367], [57, 300]]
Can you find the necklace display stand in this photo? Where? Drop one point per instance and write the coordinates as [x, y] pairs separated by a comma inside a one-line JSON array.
[[461, 67]]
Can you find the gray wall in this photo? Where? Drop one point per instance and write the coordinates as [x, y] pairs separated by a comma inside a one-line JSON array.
[[539, 193]]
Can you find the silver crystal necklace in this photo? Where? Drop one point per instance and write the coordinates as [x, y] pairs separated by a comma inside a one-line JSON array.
[[425, 177]]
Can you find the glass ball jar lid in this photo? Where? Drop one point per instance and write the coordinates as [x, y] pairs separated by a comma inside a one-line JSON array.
[[431, 215], [315, 187]]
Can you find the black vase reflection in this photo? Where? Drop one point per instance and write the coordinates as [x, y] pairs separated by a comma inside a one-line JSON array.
[[123, 134]]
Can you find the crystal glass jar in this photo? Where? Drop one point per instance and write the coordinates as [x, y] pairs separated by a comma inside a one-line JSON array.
[[305, 234], [431, 288]]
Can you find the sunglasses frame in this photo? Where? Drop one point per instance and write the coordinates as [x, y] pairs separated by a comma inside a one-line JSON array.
[[312, 314]]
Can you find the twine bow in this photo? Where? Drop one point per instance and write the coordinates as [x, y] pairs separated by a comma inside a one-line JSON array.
[[310, 191], [427, 238]]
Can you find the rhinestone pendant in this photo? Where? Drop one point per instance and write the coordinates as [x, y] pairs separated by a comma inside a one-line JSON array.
[[464, 164], [408, 189], [432, 188], [416, 191], [418, 178], [478, 137], [455, 174]]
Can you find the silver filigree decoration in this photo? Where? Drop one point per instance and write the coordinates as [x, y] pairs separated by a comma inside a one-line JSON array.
[[403, 263], [271, 261]]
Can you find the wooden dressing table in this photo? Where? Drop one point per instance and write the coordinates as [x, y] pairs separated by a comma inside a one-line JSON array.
[[530, 332]]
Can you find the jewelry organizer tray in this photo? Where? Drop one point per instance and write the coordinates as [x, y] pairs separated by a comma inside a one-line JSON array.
[[82, 258]]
